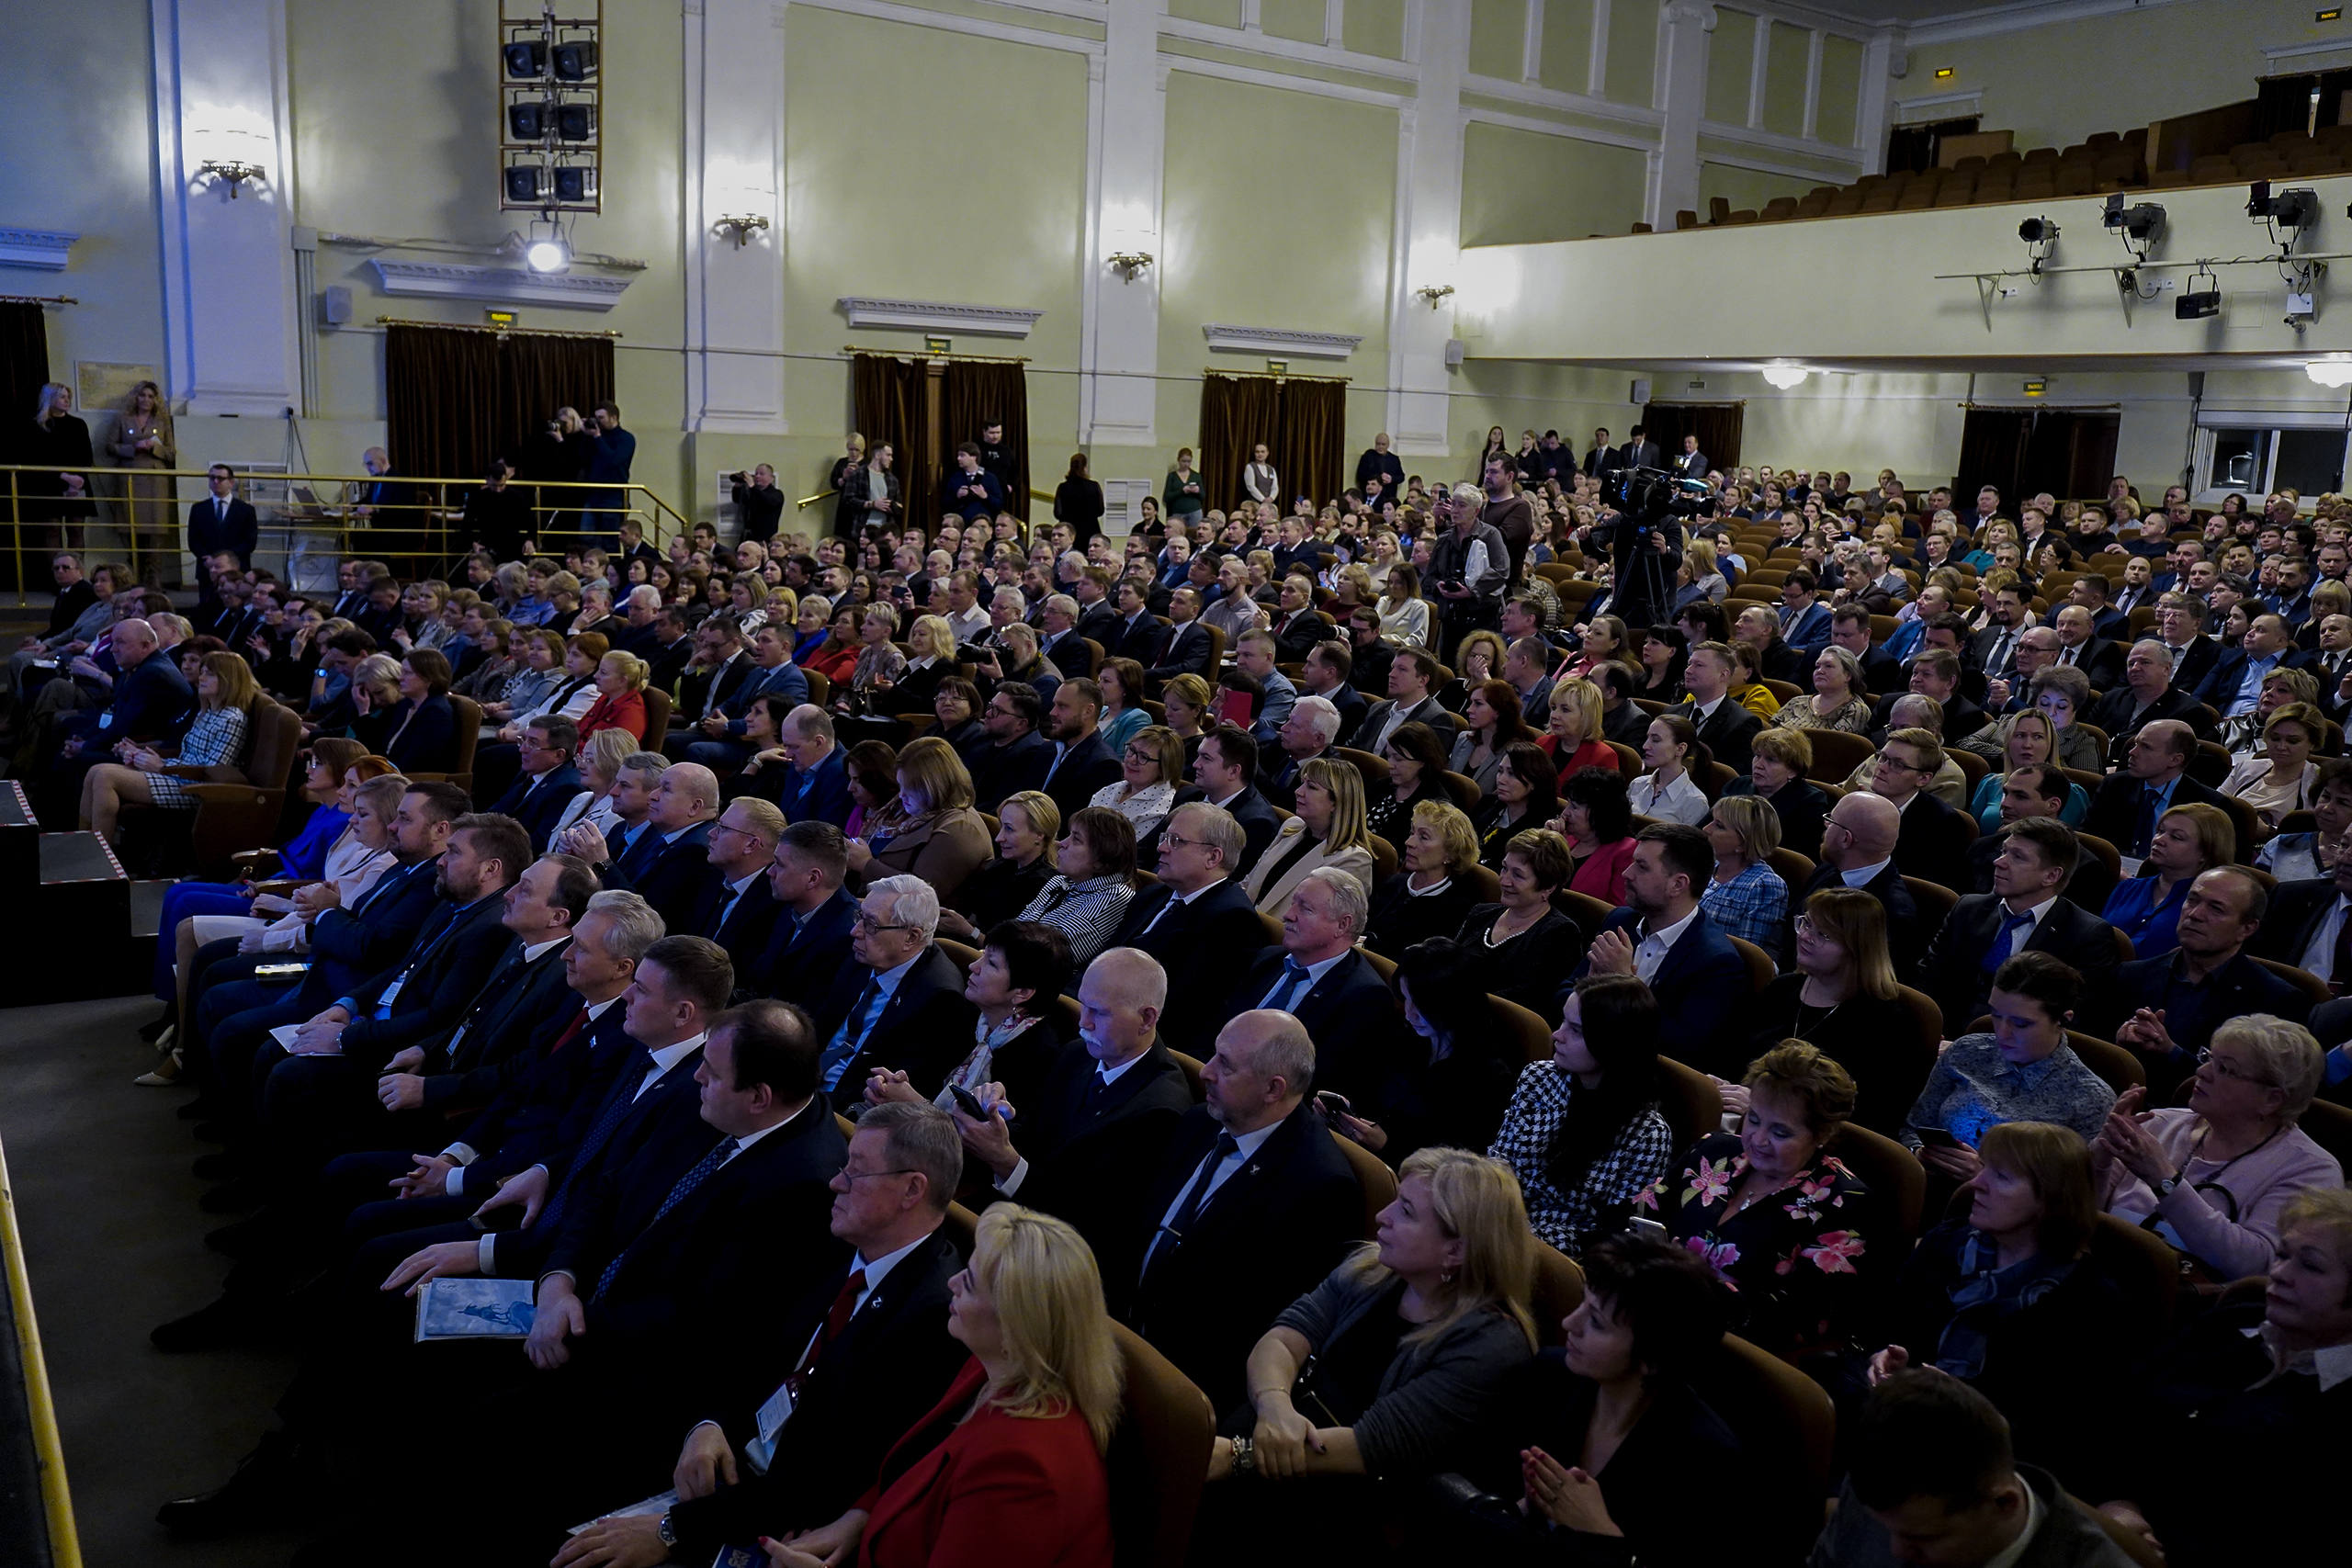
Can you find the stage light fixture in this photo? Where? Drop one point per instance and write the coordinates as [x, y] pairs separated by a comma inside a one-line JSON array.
[[2142, 221], [526, 59], [575, 60], [550, 251], [527, 184], [575, 123], [526, 121], [575, 184], [2333, 370], [1786, 376], [2196, 304], [2038, 232]]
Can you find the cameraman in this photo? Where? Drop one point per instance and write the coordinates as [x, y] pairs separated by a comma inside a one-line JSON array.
[[1469, 566], [759, 505], [1641, 538]]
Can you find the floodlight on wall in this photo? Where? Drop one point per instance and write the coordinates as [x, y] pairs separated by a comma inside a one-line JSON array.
[[1434, 292], [526, 59], [2333, 370], [2286, 209], [575, 123], [1786, 376], [2196, 304], [575, 184], [2041, 237], [575, 59], [550, 251], [740, 227], [232, 172], [527, 184], [2137, 225], [1130, 263], [528, 120]]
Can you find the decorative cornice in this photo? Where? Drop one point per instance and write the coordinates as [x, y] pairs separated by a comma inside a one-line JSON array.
[[43, 250], [929, 315], [2019, 16], [1937, 106], [449, 280], [1278, 340]]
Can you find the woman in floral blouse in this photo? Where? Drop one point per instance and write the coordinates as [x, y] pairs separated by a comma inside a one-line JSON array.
[[1583, 1133], [1777, 1217]]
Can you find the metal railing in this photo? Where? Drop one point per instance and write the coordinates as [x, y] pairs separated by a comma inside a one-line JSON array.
[[40, 1414], [138, 517]]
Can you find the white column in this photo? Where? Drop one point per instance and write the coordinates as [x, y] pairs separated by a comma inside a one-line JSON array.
[[1886, 59], [1427, 253], [229, 294], [1127, 111], [1682, 89], [734, 168]]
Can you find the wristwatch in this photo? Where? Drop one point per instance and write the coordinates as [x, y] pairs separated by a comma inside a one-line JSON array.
[[662, 1528], [2164, 1189]]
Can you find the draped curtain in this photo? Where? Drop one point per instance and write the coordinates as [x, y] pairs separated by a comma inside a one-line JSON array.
[[23, 366], [457, 397], [2022, 452], [975, 392], [1991, 451], [1302, 425], [1717, 426], [888, 393]]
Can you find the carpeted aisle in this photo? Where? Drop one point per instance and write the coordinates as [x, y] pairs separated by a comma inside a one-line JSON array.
[[114, 1243]]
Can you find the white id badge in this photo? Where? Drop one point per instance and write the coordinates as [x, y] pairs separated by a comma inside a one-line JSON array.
[[2130, 866], [775, 1414]]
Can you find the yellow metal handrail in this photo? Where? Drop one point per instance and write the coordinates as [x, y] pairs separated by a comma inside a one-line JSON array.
[[807, 502], [421, 533], [41, 1409]]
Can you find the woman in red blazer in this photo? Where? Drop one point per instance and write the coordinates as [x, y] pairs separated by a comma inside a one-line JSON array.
[[1007, 1470], [620, 697]]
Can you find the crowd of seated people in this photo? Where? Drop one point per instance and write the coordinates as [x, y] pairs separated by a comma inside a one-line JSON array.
[[1891, 974]]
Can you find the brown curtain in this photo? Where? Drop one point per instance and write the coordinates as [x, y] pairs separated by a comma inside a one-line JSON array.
[[1717, 426], [1991, 451], [2022, 452], [458, 397], [23, 366], [974, 392], [1309, 445], [1237, 412], [887, 395]]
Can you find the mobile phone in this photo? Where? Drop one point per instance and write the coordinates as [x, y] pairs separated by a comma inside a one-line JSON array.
[[967, 1103], [1937, 1138], [1650, 1228], [1333, 1102]]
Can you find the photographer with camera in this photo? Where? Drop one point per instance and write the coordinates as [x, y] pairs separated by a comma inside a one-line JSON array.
[[1641, 533], [759, 505], [1469, 565]]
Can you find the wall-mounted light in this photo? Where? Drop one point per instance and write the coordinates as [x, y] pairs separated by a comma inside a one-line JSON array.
[[2041, 237], [742, 226], [550, 251], [1434, 292], [1944, 75], [1129, 263], [1786, 376], [232, 172], [2335, 370]]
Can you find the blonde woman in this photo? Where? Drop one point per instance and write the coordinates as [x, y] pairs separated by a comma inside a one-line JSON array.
[[600, 760], [1445, 1285], [1701, 578], [1329, 831], [209, 753], [2284, 778], [1840, 699], [1013, 1451], [1745, 898], [142, 440], [1151, 765], [929, 829], [620, 697]]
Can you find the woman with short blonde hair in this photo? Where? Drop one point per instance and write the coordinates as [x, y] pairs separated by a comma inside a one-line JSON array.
[[209, 752], [929, 828], [1326, 831], [1152, 763]]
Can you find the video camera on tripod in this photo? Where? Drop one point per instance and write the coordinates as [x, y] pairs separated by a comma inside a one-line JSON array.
[[1649, 495], [1642, 499]]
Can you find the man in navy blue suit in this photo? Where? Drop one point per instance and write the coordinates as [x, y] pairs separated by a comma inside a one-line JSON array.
[[970, 490], [1662, 936], [1804, 619], [815, 916], [816, 786], [772, 674], [670, 864], [548, 780], [222, 522], [1318, 977]]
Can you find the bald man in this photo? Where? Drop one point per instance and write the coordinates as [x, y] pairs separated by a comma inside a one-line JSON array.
[[1252, 1206], [2154, 779], [1102, 1119], [151, 702], [1857, 850], [671, 866]]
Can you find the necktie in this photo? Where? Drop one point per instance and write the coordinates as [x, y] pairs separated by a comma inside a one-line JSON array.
[[578, 1024], [1999, 952], [1098, 1090], [2147, 828], [721, 1153], [1172, 1235], [836, 1319], [2339, 974], [623, 1096], [1289, 989], [1999, 658], [851, 1034], [1166, 905]]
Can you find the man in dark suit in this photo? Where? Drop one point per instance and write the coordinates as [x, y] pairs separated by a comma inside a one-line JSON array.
[[1664, 937], [1849, 629], [672, 647], [2234, 683], [1317, 977], [1059, 642], [1138, 635], [1725, 727], [2023, 912], [1992, 652], [1410, 674], [2128, 806], [1097, 617], [1082, 764], [1306, 736], [1225, 769], [1857, 850], [1935, 672], [720, 665], [1601, 460], [1328, 665], [901, 1004], [737, 911], [669, 863], [815, 916], [151, 702], [547, 780], [1760, 628], [1378, 460], [772, 674], [2145, 696], [2080, 645], [223, 522], [1186, 651], [1640, 452], [1252, 1206], [1016, 755], [1103, 1118], [1197, 923], [1934, 840], [1691, 463], [804, 1411], [2167, 1007], [2039, 789], [1297, 629], [815, 787]]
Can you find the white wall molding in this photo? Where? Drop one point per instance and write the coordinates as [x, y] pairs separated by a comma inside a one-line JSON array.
[[1771, 166], [2289, 57], [1774, 141], [1257, 76], [229, 284], [735, 166], [1127, 117], [2022, 16], [1279, 340], [505, 286], [1538, 96], [975, 26], [1955, 105], [1257, 42], [930, 316], [1632, 138], [42, 250]]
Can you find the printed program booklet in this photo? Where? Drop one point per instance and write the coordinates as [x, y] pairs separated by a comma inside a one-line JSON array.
[[473, 1309]]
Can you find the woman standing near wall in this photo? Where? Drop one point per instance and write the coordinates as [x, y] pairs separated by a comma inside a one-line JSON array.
[[1077, 500], [59, 441], [143, 440]]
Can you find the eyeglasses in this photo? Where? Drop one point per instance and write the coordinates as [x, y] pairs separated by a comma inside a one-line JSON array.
[[2224, 1068], [1138, 754], [867, 923], [848, 1175]]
